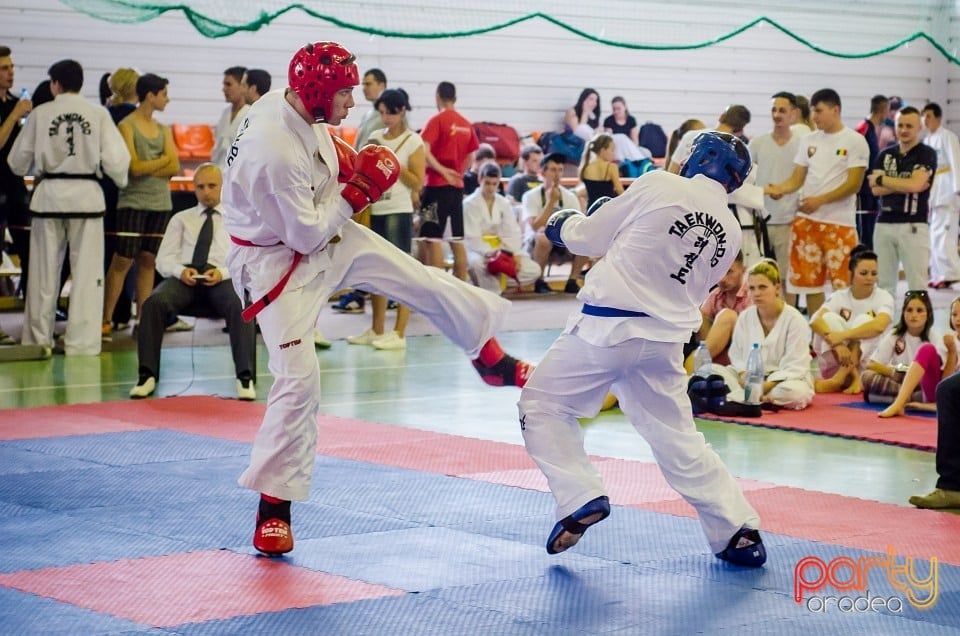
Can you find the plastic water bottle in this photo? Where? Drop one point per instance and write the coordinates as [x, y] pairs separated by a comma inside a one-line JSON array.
[[753, 386], [702, 361], [24, 94]]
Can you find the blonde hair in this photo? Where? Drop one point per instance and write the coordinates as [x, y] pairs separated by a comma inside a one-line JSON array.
[[767, 267], [592, 149], [123, 83]]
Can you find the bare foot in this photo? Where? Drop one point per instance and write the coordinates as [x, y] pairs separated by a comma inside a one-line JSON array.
[[855, 388], [929, 407], [891, 411]]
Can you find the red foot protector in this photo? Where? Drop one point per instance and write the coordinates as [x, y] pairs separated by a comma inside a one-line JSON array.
[[499, 369], [273, 537]]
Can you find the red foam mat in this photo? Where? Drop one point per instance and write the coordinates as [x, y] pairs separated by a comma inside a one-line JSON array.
[[192, 587], [828, 416]]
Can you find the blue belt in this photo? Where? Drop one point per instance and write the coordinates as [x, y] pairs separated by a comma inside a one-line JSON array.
[[611, 312]]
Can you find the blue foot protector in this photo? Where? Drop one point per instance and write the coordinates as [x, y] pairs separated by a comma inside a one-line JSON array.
[[575, 525], [746, 549]]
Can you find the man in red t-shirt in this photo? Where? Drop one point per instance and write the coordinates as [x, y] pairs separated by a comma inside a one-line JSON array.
[[449, 142]]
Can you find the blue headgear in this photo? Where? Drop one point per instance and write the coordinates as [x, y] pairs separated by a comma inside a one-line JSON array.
[[720, 156]]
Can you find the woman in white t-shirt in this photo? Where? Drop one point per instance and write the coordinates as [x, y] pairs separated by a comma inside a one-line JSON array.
[[392, 215], [909, 362], [847, 328]]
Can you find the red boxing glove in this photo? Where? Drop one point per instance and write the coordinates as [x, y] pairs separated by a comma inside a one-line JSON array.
[[377, 169], [346, 157]]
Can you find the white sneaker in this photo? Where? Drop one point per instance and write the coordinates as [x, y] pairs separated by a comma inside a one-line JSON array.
[[246, 390], [366, 338], [144, 389], [390, 342], [319, 341], [180, 325]]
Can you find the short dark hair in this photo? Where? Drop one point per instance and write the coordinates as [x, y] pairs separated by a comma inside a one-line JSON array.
[[378, 75], [484, 151], [259, 78], [878, 101], [5, 51], [447, 91], [553, 157], [861, 253], [393, 99], [790, 97], [236, 72], [826, 96], [934, 108], [69, 74], [530, 149], [908, 110], [150, 83]]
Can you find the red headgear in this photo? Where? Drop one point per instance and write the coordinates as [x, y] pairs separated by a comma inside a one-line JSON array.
[[317, 72]]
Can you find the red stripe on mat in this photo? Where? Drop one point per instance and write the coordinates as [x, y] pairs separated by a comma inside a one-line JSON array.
[[828, 416], [829, 518], [192, 587]]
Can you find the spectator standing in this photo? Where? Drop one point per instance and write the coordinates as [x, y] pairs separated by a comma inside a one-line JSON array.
[[867, 203], [944, 199], [67, 142], [226, 129]]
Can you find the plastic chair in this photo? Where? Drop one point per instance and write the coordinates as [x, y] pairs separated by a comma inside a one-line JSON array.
[[194, 141]]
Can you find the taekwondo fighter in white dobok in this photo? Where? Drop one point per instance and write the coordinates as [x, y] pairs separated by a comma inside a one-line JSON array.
[[289, 191], [664, 243], [70, 143]]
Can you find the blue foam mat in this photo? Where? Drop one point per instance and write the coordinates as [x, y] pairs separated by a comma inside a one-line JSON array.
[[471, 553], [23, 614]]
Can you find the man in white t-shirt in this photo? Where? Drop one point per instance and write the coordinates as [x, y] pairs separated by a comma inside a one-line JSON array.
[[829, 168], [773, 155], [538, 204], [733, 120]]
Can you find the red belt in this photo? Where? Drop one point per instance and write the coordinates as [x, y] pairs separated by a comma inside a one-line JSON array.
[[250, 312]]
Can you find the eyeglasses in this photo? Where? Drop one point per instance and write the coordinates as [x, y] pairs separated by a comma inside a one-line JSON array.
[[916, 293]]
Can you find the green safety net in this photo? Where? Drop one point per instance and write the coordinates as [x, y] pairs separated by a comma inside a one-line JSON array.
[[221, 18]]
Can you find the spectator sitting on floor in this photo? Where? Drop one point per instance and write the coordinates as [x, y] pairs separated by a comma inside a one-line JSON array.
[[913, 355], [492, 236], [783, 336], [192, 257], [848, 327], [719, 313]]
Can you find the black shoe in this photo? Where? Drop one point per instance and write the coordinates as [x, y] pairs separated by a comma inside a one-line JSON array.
[[571, 287], [541, 287], [61, 316]]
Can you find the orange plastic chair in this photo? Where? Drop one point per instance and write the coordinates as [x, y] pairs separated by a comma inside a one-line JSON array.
[[349, 135], [194, 141]]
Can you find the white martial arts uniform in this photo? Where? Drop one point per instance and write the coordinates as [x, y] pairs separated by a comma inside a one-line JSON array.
[[280, 191], [225, 132], [842, 312], [944, 214], [664, 243], [786, 357], [70, 142], [482, 223]]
